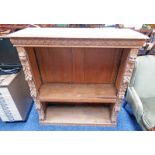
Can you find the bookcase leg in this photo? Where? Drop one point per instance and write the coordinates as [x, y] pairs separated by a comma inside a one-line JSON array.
[[28, 77], [40, 108], [113, 115], [114, 118]]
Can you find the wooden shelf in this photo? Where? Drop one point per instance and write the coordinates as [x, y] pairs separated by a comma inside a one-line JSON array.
[[78, 115], [89, 93]]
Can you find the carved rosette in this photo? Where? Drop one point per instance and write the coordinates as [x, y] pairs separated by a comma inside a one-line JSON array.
[[28, 77], [130, 62]]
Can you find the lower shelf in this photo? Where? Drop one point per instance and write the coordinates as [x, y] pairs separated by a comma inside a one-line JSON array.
[[78, 115]]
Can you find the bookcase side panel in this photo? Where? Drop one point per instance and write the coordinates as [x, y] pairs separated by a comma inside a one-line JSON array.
[[124, 75], [23, 56]]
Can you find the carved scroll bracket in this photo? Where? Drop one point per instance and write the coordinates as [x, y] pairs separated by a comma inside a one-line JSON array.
[[126, 77], [28, 77]]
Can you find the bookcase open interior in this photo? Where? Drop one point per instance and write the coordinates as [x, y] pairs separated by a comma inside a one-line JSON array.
[[78, 85]]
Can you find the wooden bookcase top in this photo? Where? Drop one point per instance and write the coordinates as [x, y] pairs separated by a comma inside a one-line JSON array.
[[78, 37], [103, 33]]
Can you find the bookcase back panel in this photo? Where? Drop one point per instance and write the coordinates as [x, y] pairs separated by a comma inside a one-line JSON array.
[[78, 65]]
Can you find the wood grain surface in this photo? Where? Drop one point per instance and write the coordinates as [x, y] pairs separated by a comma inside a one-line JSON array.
[[78, 93], [78, 65], [78, 115]]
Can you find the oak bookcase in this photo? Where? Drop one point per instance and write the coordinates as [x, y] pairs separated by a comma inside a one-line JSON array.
[[77, 76]]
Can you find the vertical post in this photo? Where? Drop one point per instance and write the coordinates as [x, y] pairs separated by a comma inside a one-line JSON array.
[[29, 78], [125, 79]]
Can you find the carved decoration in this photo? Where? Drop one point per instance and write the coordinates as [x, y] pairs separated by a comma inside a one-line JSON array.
[[28, 77], [76, 42], [125, 81]]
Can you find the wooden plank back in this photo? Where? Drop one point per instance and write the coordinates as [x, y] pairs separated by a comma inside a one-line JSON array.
[[78, 65]]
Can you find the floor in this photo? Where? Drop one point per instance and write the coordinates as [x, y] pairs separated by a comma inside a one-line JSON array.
[[126, 122]]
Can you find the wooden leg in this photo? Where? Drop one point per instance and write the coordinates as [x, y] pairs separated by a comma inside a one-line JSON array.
[[113, 114], [40, 108]]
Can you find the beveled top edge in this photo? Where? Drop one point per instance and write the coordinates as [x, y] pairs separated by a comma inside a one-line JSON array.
[[85, 33]]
